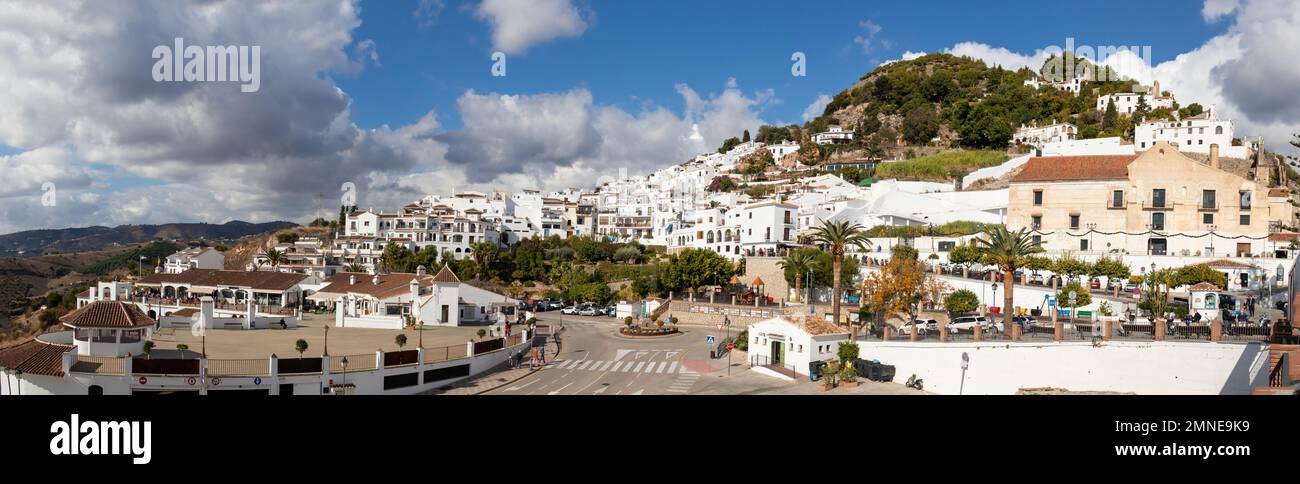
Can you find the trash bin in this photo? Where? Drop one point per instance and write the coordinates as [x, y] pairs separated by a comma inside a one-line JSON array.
[[886, 373], [1035, 312], [815, 369]]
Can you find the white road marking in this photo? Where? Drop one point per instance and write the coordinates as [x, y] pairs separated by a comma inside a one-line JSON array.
[[639, 364], [638, 392], [520, 387], [650, 368], [602, 390], [616, 365], [553, 392], [672, 368], [585, 364], [605, 366], [618, 355], [671, 354]]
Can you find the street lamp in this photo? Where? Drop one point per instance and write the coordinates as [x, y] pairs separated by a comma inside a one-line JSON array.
[[345, 373]]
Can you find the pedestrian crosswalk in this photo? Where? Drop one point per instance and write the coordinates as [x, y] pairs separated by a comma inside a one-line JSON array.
[[685, 380], [645, 362]]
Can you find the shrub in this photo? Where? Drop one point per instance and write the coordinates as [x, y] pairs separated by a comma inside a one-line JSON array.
[[961, 301], [627, 321]]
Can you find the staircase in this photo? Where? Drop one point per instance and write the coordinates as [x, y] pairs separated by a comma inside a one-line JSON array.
[[1281, 378]]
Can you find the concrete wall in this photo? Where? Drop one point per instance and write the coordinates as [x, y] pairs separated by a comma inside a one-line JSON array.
[[1156, 368]]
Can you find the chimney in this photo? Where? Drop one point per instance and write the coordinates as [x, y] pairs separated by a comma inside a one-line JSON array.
[[375, 280], [421, 271], [352, 280], [1155, 89], [1214, 155]]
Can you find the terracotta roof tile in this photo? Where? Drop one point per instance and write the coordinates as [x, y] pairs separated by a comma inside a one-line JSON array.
[[1204, 286], [35, 357], [1230, 264], [108, 314], [389, 284], [258, 280], [446, 275], [1069, 168]]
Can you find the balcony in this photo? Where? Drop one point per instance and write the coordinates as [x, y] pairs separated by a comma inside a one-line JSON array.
[[1212, 206], [1113, 204], [1161, 205]]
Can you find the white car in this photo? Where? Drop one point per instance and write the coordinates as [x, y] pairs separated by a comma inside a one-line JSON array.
[[589, 310], [966, 324], [569, 310], [923, 327]]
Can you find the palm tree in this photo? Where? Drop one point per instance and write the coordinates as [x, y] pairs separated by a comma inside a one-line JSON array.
[[799, 261], [1008, 251], [354, 267], [840, 235], [483, 253], [275, 257]]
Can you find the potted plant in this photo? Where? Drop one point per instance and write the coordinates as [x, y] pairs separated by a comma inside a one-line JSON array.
[[481, 334], [148, 348], [847, 376], [828, 375], [400, 340]]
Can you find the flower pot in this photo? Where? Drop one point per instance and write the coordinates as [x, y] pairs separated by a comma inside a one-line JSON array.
[[826, 387], [849, 384]]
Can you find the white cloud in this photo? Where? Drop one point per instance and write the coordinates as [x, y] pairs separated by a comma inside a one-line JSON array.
[[1247, 74], [518, 25], [816, 108], [867, 40]]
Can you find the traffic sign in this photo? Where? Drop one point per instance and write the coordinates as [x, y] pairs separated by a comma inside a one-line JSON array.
[[719, 326], [1051, 302], [191, 380], [965, 360], [144, 380], [708, 339], [731, 346], [257, 380], [216, 381]]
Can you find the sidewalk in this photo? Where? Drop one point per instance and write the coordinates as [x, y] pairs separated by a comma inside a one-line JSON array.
[[495, 378]]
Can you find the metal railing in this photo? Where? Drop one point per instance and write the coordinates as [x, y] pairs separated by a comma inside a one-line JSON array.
[[103, 365], [1275, 378], [239, 367], [1163, 205], [355, 362], [781, 368], [444, 353]]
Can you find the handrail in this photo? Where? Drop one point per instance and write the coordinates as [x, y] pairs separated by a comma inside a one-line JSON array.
[[1275, 376]]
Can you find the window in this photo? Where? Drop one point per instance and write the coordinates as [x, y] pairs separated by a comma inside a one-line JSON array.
[[1037, 221], [1074, 221], [1245, 219], [1207, 218], [1218, 130], [1208, 199], [1117, 198], [1038, 240], [1244, 196], [1157, 221], [1038, 197], [1158, 197], [1083, 245]]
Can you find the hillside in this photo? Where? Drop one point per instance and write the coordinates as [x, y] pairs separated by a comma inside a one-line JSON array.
[[939, 101], [86, 239], [242, 252]]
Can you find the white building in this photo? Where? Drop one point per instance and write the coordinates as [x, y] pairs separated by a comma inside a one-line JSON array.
[[1194, 135], [833, 135], [1127, 102], [765, 226], [194, 258], [793, 345], [786, 147], [1051, 133]]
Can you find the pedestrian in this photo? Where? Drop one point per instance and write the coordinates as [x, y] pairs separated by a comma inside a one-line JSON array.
[[532, 364], [541, 350]]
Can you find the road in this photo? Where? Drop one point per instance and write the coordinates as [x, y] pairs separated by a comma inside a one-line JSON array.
[[595, 360]]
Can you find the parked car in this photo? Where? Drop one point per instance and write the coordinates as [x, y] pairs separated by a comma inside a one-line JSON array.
[[1036, 279], [611, 311], [589, 310], [968, 323], [569, 310], [921, 329], [1094, 283], [1025, 321]]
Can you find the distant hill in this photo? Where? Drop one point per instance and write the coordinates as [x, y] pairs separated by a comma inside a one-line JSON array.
[[48, 241]]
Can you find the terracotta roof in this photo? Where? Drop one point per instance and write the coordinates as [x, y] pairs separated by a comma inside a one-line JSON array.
[[185, 313], [1204, 286], [389, 284], [1230, 264], [446, 275], [817, 326], [263, 280], [1070, 168], [758, 281], [1278, 192], [108, 314], [1283, 236], [35, 357]]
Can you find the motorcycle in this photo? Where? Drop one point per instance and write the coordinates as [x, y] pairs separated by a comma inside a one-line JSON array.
[[914, 382]]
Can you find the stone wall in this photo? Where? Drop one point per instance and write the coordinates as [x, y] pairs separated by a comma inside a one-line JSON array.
[[773, 276]]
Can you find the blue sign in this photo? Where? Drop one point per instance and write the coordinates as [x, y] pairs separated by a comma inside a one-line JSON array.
[[708, 339], [257, 380], [1051, 302]]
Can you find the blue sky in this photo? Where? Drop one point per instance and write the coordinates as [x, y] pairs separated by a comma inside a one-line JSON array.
[[401, 102], [634, 52]]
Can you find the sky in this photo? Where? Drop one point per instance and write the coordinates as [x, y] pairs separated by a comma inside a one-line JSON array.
[[404, 98]]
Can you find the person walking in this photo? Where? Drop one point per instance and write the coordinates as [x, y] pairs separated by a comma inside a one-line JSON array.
[[532, 364], [541, 350]]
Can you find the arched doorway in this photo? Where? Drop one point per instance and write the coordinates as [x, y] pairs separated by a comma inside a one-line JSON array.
[[153, 314], [95, 390]]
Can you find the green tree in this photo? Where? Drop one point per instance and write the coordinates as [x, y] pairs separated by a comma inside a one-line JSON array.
[[1198, 273], [396, 258], [920, 125], [484, 253], [795, 265], [1070, 266], [1007, 250], [1110, 120], [275, 257], [847, 352], [400, 340], [964, 255], [728, 144], [961, 301], [696, 268], [1081, 296], [300, 346], [745, 138], [1111, 268], [901, 251], [838, 236]]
